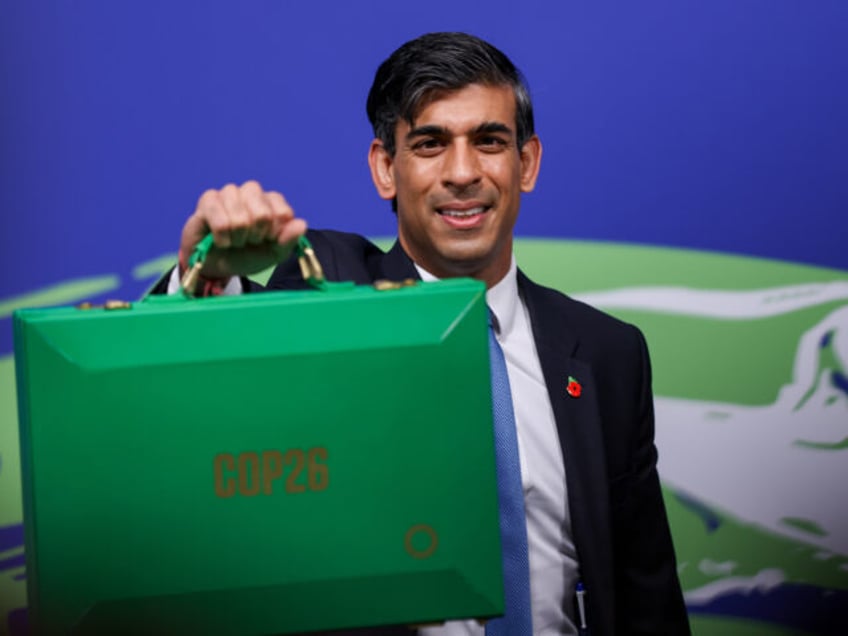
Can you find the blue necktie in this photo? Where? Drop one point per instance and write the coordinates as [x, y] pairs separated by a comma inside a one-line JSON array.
[[517, 620]]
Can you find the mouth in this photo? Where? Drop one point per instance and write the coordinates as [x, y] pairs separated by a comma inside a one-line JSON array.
[[462, 213], [463, 216]]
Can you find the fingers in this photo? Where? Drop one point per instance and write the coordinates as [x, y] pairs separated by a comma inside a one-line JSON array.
[[242, 217], [291, 232], [259, 212], [282, 218]]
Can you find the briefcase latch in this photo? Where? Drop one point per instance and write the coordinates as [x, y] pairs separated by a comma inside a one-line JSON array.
[[387, 285], [310, 268], [109, 305]]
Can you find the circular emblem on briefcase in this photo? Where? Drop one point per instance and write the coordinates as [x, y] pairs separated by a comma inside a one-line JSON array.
[[421, 541]]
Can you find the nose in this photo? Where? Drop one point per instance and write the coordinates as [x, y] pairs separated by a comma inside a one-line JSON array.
[[461, 167]]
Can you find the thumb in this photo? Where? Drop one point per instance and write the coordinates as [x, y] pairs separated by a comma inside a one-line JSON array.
[[194, 230]]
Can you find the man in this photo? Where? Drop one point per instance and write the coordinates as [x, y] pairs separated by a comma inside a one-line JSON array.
[[455, 149]]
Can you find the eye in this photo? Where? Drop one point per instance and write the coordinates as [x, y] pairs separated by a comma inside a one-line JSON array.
[[427, 147], [491, 143]]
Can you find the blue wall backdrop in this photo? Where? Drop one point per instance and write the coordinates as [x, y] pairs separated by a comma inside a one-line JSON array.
[[713, 125], [708, 126]]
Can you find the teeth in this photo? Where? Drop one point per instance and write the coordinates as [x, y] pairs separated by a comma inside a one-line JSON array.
[[463, 213]]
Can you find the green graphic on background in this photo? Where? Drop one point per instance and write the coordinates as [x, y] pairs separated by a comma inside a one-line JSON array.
[[749, 360]]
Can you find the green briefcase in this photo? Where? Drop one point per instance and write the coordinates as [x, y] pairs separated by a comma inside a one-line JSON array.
[[269, 463]]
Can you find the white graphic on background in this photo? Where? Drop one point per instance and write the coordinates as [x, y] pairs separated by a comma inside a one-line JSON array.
[[714, 303], [776, 463], [782, 466]]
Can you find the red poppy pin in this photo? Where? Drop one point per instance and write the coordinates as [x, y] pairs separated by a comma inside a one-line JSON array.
[[573, 388]]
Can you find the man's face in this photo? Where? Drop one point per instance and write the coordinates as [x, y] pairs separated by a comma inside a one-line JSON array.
[[458, 175]]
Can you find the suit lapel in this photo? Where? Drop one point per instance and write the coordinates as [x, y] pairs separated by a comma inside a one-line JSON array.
[[396, 265], [579, 429]]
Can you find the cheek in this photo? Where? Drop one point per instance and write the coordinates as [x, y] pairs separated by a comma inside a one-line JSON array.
[[506, 174], [414, 186]]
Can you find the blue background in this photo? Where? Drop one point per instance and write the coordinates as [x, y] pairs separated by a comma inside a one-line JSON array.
[[704, 125], [712, 125]]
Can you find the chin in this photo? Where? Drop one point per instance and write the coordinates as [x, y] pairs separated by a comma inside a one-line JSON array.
[[463, 262]]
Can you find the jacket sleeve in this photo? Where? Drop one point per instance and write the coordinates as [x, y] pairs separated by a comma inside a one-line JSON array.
[[648, 598]]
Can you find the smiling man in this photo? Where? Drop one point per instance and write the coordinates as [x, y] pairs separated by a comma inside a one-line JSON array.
[[457, 174], [454, 151]]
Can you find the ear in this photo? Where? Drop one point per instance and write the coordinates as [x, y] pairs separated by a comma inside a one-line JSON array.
[[382, 170], [531, 160]]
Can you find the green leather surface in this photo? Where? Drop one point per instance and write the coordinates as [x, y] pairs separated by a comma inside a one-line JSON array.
[[287, 460]]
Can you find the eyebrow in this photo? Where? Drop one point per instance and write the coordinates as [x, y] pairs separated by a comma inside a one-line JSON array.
[[493, 127], [432, 130]]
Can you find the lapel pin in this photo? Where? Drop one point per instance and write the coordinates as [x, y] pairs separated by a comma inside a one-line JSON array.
[[573, 388]]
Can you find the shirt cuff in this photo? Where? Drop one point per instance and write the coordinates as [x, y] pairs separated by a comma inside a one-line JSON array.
[[232, 288]]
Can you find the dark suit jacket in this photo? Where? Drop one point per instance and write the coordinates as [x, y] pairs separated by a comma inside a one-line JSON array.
[[618, 518], [619, 522]]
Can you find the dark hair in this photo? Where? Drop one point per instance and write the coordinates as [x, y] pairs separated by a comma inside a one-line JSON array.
[[436, 62]]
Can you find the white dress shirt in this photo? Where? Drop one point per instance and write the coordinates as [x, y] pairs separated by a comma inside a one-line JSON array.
[[552, 557]]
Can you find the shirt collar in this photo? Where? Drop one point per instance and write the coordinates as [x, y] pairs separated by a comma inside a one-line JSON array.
[[502, 298]]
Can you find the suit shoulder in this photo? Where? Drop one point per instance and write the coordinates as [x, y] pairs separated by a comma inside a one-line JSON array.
[[339, 239], [344, 256]]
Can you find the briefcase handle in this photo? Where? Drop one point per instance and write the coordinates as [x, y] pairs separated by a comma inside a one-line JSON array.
[[310, 267]]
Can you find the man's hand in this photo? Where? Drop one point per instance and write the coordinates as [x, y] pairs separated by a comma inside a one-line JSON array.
[[253, 229]]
